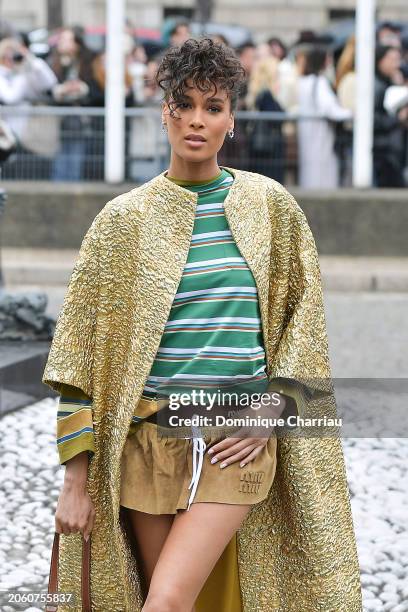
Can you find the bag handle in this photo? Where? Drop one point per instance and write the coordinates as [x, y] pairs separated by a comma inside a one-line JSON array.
[[85, 575]]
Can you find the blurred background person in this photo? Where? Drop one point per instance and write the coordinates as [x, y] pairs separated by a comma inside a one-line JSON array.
[[179, 33], [262, 50], [389, 33], [265, 139], [234, 151], [72, 62], [97, 81], [93, 163], [137, 68], [144, 137], [219, 38], [290, 69], [277, 48], [26, 80], [345, 84], [318, 160], [23, 77], [287, 74], [151, 89], [345, 87], [389, 130], [247, 57]]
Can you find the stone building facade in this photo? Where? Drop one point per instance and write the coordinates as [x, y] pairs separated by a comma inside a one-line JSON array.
[[283, 18]]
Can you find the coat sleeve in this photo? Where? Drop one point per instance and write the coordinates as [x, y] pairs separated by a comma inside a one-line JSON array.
[[300, 365], [71, 356], [74, 424]]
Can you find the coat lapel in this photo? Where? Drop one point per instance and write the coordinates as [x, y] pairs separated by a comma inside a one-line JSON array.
[[246, 209]]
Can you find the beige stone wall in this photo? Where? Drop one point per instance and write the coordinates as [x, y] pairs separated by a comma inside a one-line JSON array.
[[285, 18], [24, 14], [84, 13], [265, 17]]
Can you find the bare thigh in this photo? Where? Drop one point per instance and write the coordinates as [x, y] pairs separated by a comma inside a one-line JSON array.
[[196, 541], [150, 531]]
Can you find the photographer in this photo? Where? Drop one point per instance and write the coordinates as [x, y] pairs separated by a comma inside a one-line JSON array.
[[26, 80], [23, 77]]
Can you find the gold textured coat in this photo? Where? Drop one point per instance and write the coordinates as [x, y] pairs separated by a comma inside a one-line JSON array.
[[296, 550]]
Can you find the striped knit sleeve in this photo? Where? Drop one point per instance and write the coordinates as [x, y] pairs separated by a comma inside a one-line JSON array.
[[74, 424]]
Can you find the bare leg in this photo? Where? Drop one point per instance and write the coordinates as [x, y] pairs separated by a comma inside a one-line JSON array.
[[150, 531], [196, 541]]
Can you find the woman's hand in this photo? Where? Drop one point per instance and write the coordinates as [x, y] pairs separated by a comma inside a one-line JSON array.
[[235, 449], [75, 510], [246, 447]]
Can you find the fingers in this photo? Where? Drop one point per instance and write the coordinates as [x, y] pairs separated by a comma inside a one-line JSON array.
[[237, 451], [239, 435], [76, 524], [251, 456], [68, 529], [61, 526], [238, 456]]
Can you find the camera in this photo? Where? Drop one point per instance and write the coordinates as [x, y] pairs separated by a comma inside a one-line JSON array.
[[17, 57]]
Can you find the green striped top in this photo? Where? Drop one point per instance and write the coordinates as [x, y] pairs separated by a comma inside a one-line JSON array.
[[213, 337]]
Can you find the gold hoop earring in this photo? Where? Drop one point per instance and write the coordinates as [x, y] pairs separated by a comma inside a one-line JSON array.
[[231, 133]]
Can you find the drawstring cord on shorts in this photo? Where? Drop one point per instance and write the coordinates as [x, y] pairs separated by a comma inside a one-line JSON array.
[[199, 447]]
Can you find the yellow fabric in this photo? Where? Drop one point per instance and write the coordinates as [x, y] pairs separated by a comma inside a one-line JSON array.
[[296, 550], [71, 450], [82, 418], [71, 424], [70, 391], [222, 589]]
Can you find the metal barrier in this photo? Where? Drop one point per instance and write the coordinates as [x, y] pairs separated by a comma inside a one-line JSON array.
[[67, 144]]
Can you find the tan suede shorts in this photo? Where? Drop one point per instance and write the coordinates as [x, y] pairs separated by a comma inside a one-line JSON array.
[[161, 474]]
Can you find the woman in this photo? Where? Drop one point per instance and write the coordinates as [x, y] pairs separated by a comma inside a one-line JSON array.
[[346, 75], [26, 80], [345, 87], [148, 146], [23, 77], [266, 143], [389, 130], [94, 166], [72, 62], [166, 534], [318, 160]]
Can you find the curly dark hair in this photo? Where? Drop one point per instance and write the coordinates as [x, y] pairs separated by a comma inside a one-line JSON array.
[[207, 63]]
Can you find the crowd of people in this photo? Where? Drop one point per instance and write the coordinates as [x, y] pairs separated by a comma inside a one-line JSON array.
[[305, 79]]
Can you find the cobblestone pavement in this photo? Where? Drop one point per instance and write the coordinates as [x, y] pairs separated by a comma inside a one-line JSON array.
[[377, 472], [363, 330]]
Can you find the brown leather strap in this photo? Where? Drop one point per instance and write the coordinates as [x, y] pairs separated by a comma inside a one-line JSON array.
[[85, 575], [53, 578], [86, 578]]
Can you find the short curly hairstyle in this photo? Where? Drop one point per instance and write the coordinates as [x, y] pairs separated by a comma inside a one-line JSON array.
[[207, 63]]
